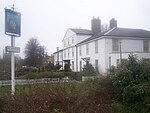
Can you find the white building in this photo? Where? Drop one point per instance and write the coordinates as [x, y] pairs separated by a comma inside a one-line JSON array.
[[102, 49]]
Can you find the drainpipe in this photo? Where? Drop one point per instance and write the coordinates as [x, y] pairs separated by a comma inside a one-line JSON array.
[[120, 53], [76, 58]]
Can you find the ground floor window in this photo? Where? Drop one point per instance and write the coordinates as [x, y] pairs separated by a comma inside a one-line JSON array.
[[72, 65], [80, 65], [96, 65]]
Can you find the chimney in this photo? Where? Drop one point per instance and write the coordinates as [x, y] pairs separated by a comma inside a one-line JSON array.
[[57, 48], [95, 25], [113, 23]]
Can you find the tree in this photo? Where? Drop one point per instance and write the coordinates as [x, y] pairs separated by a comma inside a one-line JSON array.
[[34, 53], [88, 70], [104, 27]]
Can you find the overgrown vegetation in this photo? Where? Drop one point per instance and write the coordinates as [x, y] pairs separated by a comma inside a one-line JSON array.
[[132, 80], [127, 90], [87, 97]]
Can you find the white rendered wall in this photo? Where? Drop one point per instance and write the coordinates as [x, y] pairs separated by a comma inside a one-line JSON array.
[[128, 45]]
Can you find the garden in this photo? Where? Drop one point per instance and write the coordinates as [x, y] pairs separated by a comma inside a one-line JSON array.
[[126, 89]]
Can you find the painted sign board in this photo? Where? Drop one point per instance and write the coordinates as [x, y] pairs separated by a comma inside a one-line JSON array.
[[12, 22], [13, 49]]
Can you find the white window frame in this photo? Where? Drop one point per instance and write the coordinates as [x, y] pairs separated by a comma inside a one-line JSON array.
[[96, 64], [80, 50], [115, 45], [87, 49], [146, 45]]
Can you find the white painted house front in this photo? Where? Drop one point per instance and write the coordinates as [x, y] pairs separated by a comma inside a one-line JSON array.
[[102, 49]]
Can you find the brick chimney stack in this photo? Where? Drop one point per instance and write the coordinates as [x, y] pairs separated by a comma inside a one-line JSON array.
[[113, 23], [95, 25]]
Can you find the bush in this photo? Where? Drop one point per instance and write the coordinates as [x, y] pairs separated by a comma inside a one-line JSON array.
[[133, 82], [86, 97], [88, 70], [25, 70]]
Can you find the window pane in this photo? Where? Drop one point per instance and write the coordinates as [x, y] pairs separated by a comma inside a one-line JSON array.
[[115, 45], [87, 49], [96, 65], [145, 45]]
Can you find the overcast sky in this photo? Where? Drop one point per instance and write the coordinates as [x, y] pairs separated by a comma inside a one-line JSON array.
[[48, 20]]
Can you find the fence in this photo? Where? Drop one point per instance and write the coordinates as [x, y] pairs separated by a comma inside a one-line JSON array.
[[34, 81]]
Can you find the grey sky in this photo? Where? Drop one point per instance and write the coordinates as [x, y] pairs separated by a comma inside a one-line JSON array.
[[48, 20]]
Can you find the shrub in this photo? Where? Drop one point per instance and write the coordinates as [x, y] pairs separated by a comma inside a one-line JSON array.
[[133, 83], [88, 70], [86, 97]]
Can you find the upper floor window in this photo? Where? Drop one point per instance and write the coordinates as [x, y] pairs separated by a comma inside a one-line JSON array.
[[146, 45], [96, 46], [115, 45], [64, 43], [87, 49], [68, 41], [80, 50], [72, 40]]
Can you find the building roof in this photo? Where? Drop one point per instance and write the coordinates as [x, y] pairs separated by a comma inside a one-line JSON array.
[[127, 32], [82, 31], [121, 32]]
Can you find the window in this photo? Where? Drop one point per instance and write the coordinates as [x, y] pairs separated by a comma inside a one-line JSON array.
[[96, 65], [72, 65], [80, 50], [109, 61], [80, 65], [96, 46], [64, 43], [72, 40], [118, 62], [87, 49], [72, 52], [68, 53], [87, 62], [64, 53], [146, 46], [68, 41], [60, 55], [115, 45]]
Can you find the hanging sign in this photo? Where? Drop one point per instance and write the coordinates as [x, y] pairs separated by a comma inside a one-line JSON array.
[[12, 22]]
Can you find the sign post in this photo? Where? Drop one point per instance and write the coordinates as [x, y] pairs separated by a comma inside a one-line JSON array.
[[12, 67], [12, 28]]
